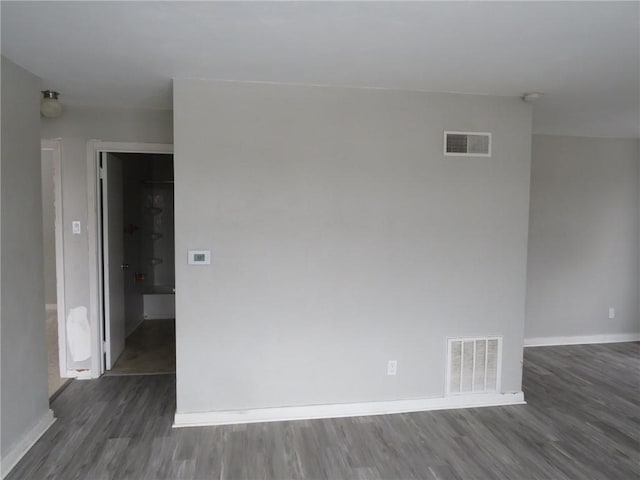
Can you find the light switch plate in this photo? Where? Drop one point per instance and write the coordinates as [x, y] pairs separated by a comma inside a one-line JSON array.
[[75, 227], [199, 257], [392, 367]]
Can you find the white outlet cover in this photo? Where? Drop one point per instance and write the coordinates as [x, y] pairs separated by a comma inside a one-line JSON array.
[[612, 312], [199, 257], [76, 227], [392, 367]]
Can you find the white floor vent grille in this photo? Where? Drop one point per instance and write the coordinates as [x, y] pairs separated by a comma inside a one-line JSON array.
[[474, 365]]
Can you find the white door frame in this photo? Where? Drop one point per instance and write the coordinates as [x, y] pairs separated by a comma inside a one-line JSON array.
[[94, 231], [55, 146]]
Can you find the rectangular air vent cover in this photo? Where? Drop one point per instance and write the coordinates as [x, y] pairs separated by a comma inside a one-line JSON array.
[[474, 365], [467, 144]]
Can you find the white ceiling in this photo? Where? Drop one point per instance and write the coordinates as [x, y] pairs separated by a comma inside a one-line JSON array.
[[585, 57]]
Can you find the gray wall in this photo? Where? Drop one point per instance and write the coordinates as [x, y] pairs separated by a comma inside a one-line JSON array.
[[583, 237], [48, 227], [341, 238], [24, 352], [76, 126]]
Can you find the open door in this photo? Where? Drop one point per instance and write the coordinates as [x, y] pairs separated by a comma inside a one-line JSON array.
[[113, 257]]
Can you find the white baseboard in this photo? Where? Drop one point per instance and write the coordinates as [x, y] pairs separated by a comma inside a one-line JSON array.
[[14, 455], [51, 307], [307, 412], [581, 340], [80, 374]]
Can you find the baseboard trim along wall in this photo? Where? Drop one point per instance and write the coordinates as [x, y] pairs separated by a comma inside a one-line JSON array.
[[308, 412], [14, 455], [581, 340], [79, 374]]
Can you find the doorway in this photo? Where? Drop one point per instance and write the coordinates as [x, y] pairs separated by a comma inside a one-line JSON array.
[[137, 262]]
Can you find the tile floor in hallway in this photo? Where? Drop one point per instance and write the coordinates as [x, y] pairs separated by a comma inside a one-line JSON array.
[[151, 348]]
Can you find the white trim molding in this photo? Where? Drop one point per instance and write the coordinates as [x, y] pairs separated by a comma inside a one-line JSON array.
[[308, 412], [582, 339], [94, 233], [18, 451]]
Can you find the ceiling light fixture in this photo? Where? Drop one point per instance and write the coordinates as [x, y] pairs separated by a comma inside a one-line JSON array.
[[531, 97], [50, 106]]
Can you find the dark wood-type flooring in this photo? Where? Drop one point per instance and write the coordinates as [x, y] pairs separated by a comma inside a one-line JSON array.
[[582, 421]]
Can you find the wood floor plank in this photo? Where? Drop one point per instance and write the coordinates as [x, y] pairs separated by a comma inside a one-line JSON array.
[[582, 421]]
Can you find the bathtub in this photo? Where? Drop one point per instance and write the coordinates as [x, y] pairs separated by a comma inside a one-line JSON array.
[[159, 302]]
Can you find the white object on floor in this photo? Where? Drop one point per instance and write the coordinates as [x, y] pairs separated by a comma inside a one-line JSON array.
[[78, 334]]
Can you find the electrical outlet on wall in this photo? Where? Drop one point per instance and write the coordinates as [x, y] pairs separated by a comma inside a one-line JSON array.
[[392, 367], [612, 312]]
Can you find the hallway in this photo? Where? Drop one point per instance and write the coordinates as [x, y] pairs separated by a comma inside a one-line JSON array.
[[151, 348]]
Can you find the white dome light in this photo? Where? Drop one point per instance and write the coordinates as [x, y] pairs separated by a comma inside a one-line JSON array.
[[50, 106]]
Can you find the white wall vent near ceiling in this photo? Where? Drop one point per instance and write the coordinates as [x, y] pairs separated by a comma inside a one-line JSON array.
[[474, 365], [467, 144]]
